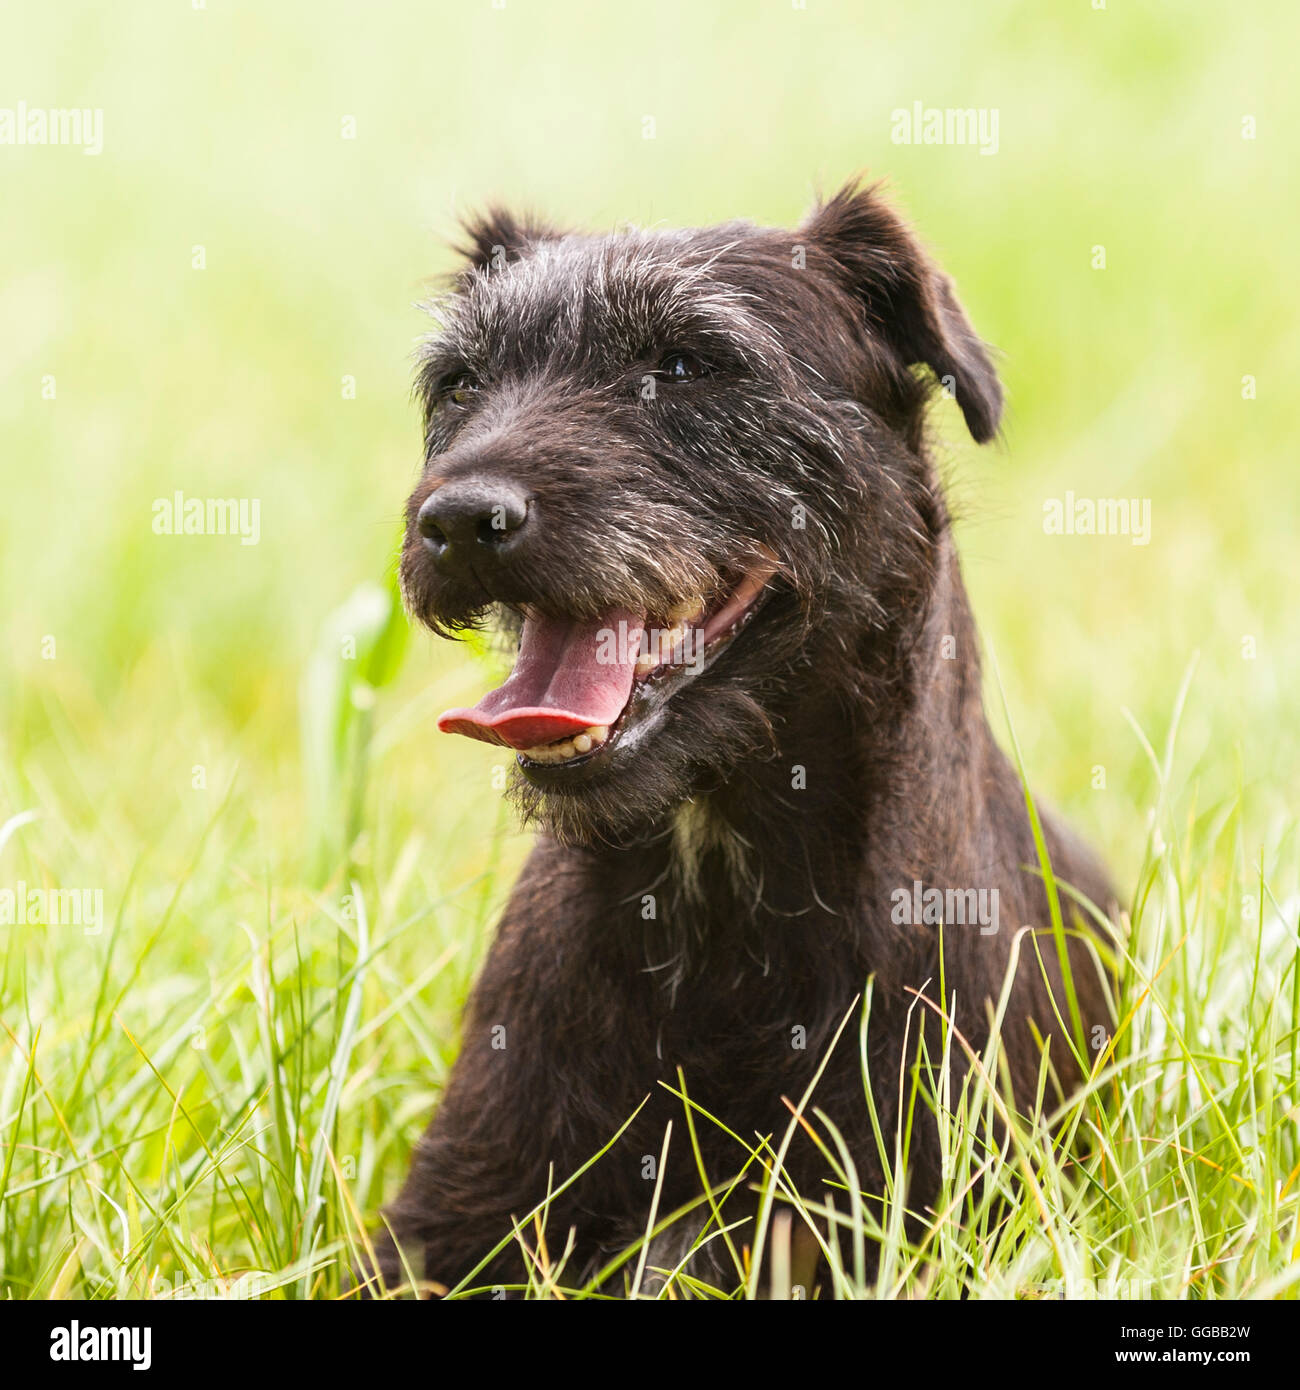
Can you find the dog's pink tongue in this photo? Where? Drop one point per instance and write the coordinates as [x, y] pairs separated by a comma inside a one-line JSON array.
[[567, 677]]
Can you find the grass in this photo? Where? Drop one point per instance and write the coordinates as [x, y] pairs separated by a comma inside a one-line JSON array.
[[215, 1091], [218, 1113]]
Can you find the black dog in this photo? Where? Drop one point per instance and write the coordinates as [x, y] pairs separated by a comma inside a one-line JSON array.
[[687, 469]]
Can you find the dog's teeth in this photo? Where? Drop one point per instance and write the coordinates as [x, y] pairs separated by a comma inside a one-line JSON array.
[[687, 612], [573, 747], [646, 663]]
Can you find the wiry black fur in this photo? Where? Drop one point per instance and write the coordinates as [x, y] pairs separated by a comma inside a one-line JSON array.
[[834, 753]]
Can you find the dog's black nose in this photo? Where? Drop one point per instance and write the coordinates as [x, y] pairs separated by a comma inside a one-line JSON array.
[[471, 516]]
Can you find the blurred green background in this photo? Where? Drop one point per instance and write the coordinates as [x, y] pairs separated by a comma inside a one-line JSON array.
[[226, 127]]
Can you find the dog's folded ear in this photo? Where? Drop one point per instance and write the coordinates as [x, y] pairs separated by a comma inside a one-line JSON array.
[[494, 237], [908, 300]]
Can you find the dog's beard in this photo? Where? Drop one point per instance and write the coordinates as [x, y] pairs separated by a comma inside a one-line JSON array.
[[705, 735], [734, 716]]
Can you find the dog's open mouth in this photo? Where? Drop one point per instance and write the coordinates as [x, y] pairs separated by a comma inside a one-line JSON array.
[[579, 687]]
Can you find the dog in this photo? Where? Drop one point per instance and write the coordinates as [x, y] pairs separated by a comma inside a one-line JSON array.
[[686, 473]]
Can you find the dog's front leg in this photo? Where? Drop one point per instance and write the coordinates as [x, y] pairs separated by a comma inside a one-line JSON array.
[[537, 1091], [460, 1202]]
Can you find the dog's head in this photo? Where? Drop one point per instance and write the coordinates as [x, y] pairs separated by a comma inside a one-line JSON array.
[[684, 471]]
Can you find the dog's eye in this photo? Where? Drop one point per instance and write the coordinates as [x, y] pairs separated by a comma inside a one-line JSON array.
[[458, 387], [682, 366]]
